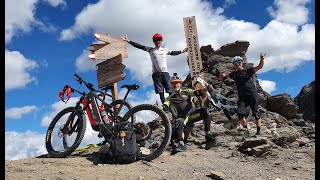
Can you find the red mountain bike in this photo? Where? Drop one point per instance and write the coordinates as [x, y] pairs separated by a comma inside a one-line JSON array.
[[67, 129]]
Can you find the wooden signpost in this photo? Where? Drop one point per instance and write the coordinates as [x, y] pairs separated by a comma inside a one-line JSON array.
[[194, 55], [111, 70]]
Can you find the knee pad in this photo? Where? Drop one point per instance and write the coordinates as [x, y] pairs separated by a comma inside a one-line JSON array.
[[257, 116]]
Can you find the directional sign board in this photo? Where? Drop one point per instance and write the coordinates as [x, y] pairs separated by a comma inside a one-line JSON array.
[[106, 38], [107, 51], [194, 54], [112, 47], [110, 71]]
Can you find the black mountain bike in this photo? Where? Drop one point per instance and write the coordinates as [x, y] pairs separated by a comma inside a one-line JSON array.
[[67, 129], [219, 102]]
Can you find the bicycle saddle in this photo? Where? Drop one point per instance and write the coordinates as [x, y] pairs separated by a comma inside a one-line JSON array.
[[106, 88], [129, 87]]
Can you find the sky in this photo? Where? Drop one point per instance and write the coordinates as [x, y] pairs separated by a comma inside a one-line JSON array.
[[47, 40]]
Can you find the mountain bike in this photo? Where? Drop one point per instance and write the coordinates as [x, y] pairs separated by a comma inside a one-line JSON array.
[[121, 106], [218, 101], [67, 129]]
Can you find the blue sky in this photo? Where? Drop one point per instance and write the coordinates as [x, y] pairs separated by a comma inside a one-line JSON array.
[[47, 40]]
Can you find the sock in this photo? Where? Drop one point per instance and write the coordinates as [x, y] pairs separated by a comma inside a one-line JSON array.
[[258, 129]]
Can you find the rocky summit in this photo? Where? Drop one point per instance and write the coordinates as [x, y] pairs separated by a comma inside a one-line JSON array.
[[284, 150]]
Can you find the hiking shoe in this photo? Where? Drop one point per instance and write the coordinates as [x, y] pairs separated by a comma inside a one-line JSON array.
[[210, 141], [181, 148], [210, 145], [257, 135], [210, 138]]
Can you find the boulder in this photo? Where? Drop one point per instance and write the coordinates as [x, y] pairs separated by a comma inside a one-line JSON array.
[[306, 101]]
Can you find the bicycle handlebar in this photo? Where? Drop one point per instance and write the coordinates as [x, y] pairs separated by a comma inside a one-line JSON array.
[[77, 76], [89, 85]]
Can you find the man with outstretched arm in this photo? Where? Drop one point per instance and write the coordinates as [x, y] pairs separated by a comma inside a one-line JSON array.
[[247, 92], [158, 55]]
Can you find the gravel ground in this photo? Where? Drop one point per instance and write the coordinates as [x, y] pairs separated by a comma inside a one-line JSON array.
[[196, 163]]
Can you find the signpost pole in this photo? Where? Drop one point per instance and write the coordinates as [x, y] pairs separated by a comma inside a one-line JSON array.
[[194, 54]]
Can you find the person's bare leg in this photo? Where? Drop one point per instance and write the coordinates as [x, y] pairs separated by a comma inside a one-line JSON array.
[[186, 133], [243, 122], [258, 123]]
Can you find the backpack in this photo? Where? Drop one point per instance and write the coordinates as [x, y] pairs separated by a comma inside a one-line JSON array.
[[123, 147]]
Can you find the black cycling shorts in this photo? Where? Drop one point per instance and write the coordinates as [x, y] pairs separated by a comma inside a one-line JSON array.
[[161, 81], [244, 102]]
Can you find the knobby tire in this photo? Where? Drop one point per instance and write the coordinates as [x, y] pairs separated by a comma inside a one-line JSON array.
[[165, 122], [81, 128]]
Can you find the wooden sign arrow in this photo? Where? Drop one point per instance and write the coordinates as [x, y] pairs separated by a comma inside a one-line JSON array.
[[110, 67], [106, 38], [110, 62], [105, 81], [107, 72], [107, 51]]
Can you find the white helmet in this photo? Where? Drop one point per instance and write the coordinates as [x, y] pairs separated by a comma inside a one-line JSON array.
[[236, 58]]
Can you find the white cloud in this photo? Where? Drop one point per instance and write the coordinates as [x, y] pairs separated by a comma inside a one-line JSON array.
[[286, 44], [23, 145], [20, 145], [18, 112], [268, 86], [19, 16], [292, 12], [56, 3], [229, 3], [18, 70], [84, 63]]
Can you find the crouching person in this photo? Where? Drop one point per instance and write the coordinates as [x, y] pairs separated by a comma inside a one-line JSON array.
[[184, 114]]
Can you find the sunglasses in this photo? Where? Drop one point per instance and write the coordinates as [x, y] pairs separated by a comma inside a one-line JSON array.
[[237, 63], [157, 39]]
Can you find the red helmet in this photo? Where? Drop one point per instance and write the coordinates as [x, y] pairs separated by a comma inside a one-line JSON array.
[[157, 36]]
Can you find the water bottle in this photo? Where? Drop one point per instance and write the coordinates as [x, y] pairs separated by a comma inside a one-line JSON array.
[[94, 114], [105, 117], [95, 119]]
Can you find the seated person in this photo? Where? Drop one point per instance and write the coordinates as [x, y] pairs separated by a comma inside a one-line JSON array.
[[184, 114]]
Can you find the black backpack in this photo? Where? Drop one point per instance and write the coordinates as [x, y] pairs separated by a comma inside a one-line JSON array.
[[123, 146]]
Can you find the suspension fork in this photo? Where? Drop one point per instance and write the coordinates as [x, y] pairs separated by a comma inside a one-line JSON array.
[[68, 128]]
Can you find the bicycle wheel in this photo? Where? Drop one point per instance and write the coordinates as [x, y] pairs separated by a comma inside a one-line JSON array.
[[62, 139], [121, 107], [153, 130]]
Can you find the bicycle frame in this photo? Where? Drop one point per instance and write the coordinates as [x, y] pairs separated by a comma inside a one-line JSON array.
[[218, 100], [90, 102], [222, 101], [91, 99]]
